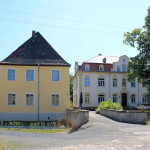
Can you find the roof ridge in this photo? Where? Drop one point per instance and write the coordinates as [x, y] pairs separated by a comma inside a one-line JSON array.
[[35, 50]]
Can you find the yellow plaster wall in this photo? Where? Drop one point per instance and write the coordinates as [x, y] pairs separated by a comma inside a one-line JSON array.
[[46, 87]]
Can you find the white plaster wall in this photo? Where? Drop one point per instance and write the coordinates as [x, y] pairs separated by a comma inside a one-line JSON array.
[[108, 90]]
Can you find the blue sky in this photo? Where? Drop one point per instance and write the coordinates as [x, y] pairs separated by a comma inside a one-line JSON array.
[[77, 29]]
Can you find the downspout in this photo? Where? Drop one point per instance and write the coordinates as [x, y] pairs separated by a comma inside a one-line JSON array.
[[109, 84], [138, 92], [38, 93]]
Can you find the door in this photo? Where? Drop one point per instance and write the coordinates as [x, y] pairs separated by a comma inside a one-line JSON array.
[[124, 99]]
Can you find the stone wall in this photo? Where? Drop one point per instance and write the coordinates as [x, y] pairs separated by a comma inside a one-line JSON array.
[[124, 116], [77, 117]]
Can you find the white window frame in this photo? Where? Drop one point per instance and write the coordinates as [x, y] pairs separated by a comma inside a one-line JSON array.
[[101, 68], [144, 100], [87, 96], [87, 66], [26, 74], [133, 95], [125, 83], [133, 84], [59, 99], [115, 98], [33, 99], [15, 98], [15, 73], [115, 85], [102, 98], [118, 68], [101, 82], [124, 67], [52, 75], [87, 82]]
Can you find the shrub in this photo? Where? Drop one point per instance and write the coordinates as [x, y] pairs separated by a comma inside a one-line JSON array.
[[110, 105], [97, 111], [71, 105]]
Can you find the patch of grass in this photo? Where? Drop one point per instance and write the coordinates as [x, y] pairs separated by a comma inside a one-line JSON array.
[[38, 130], [10, 145], [148, 123]]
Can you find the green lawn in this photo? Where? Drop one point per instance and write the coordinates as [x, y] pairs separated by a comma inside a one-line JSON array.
[[148, 123], [10, 145], [37, 130]]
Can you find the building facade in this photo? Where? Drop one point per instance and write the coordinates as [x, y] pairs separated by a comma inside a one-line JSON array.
[[34, 83], [104, 77]]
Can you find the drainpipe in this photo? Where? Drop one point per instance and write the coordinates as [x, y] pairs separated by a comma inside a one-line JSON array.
[[109, 84], [138, 92], [38, 93]]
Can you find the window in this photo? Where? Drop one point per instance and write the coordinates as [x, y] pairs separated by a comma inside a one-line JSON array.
[[11, 99], [87, 68], [133, 83], [114, 98], [124, 59], [29, 75], [118, 68], [86, 98], [144, 101], [55, 75], [101, 98], [11, 74], [55, 100], [29, 99], [87, 82], [114, 82], [101, 68], [132, 98], [123, 82], [124, 68], [100, 82]]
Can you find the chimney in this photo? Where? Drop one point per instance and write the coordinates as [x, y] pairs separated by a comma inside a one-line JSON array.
[[33, 32]]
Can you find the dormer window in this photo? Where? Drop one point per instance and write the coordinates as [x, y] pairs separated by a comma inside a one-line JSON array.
[[124, 68], [101, 68], [118, 68], [87, 68], [104, 60]]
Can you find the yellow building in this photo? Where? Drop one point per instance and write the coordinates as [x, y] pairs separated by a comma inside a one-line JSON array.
[[34, 83]]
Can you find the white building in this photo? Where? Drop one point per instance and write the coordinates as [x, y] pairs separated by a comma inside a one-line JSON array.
[[104, 77]]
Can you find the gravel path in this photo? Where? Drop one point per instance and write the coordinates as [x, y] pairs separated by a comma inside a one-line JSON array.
[[99, 133]]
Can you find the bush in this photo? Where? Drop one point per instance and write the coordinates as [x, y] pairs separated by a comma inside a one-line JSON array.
[[71, 105], [110, 105], [97, 111]]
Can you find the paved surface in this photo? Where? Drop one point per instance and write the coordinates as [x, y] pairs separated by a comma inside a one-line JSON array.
[[99, 134]]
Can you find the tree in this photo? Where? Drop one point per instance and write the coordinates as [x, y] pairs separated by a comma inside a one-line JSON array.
[[139, 66], [71, 88]]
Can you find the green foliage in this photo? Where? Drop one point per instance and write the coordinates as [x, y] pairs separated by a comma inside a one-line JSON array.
[[33, 125], [139, 66], [97, 111], [71, 88], [110, 105], [71, 105]]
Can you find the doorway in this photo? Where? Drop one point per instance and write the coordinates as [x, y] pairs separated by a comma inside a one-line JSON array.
[[124, 99]]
